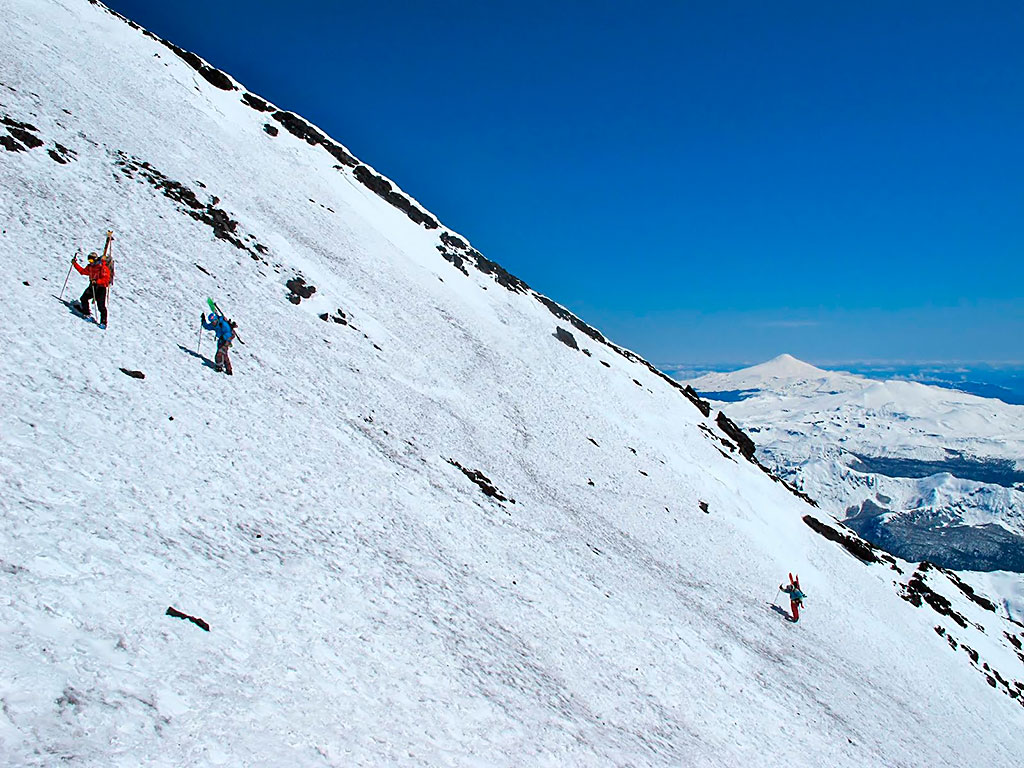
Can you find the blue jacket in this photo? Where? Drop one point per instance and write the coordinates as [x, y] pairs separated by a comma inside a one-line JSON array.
[[220, 326], [794, 593]]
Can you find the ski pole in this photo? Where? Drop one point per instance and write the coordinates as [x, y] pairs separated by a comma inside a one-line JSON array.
[[776, 600], [200, 342], [70, 267]]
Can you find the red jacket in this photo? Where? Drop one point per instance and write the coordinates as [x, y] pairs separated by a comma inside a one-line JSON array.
[[98, 272]]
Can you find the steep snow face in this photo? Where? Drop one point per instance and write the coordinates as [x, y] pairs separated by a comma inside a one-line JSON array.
[[925, 472], [420, 526]]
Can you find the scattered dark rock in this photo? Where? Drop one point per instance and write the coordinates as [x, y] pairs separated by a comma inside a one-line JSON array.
[[917, 592], [703, 507], [22, 135], [133, 374], [566, 338], [10, 122], [589, 481], [30, 140], [554, 308], [270, 129], [64, 152], [747, 449], [593, 441], [482, 482], [202, 270], [223, 226], [24, 282], [171, 611], [455, 242], [637, 383], [643, 473], [339, 317], [8, 143], [970, 652], [606, 365], [255, 102], [702, 405], [299, 290], [299, 128], [966, 589]]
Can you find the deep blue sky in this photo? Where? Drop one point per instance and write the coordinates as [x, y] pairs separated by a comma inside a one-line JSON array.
[[704, 181]]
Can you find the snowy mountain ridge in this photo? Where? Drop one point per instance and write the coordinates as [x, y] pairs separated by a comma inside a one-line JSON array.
[[925, 472], [431, 520]]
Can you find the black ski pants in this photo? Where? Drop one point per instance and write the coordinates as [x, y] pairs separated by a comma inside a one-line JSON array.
[[99, 293]]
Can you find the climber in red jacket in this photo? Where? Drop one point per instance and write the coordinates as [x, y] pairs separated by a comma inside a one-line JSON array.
[[100, 275]]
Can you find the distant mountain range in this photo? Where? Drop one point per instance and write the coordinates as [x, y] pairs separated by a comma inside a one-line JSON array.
[[1003, 381], [924, 472]]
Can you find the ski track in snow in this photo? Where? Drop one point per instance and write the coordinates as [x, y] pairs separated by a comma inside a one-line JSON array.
[[368, 605]]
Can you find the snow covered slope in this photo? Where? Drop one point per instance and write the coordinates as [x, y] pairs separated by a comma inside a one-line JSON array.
[[433, 519], [925, 472]]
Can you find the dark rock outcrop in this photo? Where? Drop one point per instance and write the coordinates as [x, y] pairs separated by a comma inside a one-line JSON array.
[[223, 226], [172, 611], [566, 338], [481, 481], [853, 544], [298, 290], [382, 187], [338, 317], [255, 102], [727, 425]]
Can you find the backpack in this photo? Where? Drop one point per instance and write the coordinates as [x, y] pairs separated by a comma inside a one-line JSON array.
[[110, 265]]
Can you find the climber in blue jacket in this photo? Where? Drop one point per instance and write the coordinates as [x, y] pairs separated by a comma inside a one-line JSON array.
[[225, 335]]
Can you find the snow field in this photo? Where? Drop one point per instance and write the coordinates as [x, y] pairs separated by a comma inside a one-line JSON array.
[[368, 604]]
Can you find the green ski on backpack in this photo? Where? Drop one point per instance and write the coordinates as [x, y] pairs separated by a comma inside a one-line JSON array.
[[217, 311]]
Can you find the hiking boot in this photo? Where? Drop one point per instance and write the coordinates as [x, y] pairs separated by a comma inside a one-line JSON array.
[[219, 368]]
